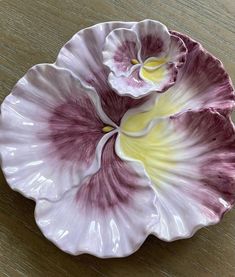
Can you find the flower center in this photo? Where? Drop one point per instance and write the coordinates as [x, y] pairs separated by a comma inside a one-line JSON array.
[[107, 129], [134, 61]]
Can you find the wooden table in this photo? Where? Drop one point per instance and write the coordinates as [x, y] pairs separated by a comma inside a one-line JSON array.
[[33, 31]]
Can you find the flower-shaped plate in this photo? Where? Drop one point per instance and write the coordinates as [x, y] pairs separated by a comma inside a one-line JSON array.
[[127, 134]]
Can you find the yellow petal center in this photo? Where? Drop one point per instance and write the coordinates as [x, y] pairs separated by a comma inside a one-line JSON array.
[[153, 63], [165, 105], [153, 70], [155, 151], [153, 75]]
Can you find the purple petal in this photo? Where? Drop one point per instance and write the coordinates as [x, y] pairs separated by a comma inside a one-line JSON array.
[[190, 160], [217, 164], [154, 38], [101, 216], [202, 81], [50, 130]]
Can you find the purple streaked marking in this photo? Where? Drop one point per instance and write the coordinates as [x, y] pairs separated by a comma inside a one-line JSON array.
[[151, 46], [216, 163], [114, 106], [206, 75], [124, 54], [75, 130], [113, 185]]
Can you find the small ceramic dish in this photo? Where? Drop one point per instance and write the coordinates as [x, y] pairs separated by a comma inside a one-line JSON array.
[[127, 134]]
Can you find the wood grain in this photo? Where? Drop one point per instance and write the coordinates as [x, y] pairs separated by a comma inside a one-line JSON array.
[[33, 31]]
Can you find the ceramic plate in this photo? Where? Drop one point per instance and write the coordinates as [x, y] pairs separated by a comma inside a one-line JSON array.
[[127, 134]]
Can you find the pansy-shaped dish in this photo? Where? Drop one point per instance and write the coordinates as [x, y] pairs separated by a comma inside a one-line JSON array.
[[127, 134]]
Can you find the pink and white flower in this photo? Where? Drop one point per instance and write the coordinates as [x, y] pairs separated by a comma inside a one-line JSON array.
[[143, 59], [107, 170]]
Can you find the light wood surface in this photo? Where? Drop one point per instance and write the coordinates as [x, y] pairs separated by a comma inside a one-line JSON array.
[[33, 31]]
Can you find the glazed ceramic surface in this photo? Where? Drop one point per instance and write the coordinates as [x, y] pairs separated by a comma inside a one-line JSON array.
[[127, 134]]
